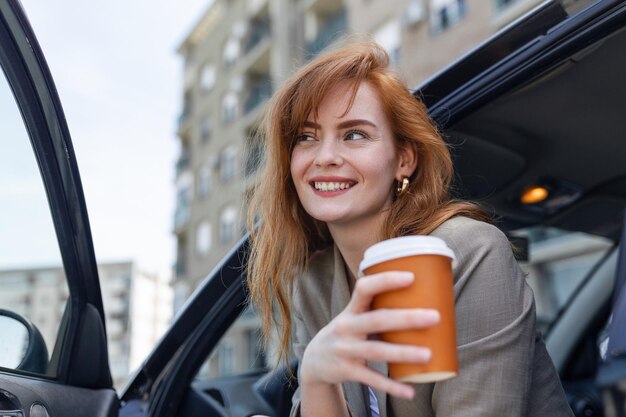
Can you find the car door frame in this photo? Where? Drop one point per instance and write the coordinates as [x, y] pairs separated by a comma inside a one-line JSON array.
[[80, 357]]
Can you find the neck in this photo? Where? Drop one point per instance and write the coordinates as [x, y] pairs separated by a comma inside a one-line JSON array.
[[352, 240]]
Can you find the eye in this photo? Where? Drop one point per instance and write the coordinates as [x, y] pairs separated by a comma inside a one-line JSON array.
[[355, 135], [304, 137]]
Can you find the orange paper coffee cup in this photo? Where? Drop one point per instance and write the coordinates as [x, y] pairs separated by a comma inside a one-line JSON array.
[[430, 260]]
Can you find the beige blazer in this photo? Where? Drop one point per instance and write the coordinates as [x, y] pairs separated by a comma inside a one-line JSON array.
[[504, 368]]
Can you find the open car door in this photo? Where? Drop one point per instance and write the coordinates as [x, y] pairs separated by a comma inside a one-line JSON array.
[[65, 372]]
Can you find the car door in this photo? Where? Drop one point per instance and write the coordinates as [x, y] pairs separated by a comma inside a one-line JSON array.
[[71, 375]]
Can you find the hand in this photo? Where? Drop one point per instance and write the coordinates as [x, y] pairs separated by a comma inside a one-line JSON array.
[[340, 351]]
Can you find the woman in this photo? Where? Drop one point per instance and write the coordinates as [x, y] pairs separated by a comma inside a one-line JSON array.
[[352, 159]]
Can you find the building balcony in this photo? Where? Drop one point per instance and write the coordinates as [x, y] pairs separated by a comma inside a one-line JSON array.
[[257, 58], [333, 27], [322, 7], [182, 164], [117, 286], [259, 30], [259, 91], [257, 7], [118, 307], [180, 268], [184, 118], [116, 328], [181, 216]]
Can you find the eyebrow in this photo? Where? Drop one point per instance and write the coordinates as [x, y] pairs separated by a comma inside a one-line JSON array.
[[342, 125]]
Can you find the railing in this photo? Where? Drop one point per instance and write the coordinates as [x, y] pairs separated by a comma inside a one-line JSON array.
[[180, 268], [182, 119], [259, 29], [184, 116], [181, 217], [260, 91], [182, 164], [333, 27]]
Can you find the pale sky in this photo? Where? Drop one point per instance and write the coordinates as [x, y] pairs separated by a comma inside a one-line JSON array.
[[120, 82]]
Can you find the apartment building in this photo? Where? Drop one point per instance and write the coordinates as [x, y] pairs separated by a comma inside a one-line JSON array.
[[234, 58], [137, 306]]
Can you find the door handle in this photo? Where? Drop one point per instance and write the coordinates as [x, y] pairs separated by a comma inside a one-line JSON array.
[[9, 405], [11, 413]]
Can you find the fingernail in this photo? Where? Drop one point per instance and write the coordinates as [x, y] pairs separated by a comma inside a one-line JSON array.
[[431, 316], [425, 354], [404, 275]]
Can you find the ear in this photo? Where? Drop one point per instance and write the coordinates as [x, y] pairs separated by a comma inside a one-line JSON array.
[[407, 162]]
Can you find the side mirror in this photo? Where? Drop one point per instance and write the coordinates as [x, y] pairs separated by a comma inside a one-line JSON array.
[[21, 346]]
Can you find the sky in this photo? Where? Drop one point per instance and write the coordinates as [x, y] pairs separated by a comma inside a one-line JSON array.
[[120, 82]]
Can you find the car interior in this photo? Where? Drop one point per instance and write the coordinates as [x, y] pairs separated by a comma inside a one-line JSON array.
[[561, 129]]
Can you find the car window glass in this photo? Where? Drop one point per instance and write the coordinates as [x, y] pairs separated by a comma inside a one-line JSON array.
[[240, 349], [32, 278], [558, 263]]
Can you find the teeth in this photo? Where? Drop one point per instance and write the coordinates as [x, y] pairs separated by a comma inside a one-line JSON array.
[[331, 186]]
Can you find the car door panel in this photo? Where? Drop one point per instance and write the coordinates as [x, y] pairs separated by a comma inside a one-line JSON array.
[[58, 399]]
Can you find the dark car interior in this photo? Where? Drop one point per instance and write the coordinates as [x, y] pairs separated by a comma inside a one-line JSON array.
[[563, 129]]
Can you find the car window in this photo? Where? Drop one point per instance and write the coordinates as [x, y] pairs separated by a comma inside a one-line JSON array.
[[32, 278], [239, 350], [558, 263]]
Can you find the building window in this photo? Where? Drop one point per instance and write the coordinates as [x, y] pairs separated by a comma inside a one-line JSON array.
[[321, 30], [206, 130], [207, 79], [503, 4], [189, 76], [256, 355], [184, 196], [228, 225], [388, 36], [226, 358], [414, 13], [203, 238], [231, 52], [230, 104], [227, 164], [204, 182], [445, 13], [180, 268]]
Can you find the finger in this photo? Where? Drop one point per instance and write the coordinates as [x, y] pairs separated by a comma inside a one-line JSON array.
[[385, 352], [380, 382], [369, 286], [384, 320]]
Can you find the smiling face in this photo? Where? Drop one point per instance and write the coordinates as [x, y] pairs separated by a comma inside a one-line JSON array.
[[344, 166]]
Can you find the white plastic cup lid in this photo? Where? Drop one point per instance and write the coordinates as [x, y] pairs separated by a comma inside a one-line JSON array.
[[400, 247]]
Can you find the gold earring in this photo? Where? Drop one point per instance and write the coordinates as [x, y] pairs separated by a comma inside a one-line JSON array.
[[402, 186]]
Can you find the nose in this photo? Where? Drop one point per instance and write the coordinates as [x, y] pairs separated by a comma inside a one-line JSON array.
[[328, 153]]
